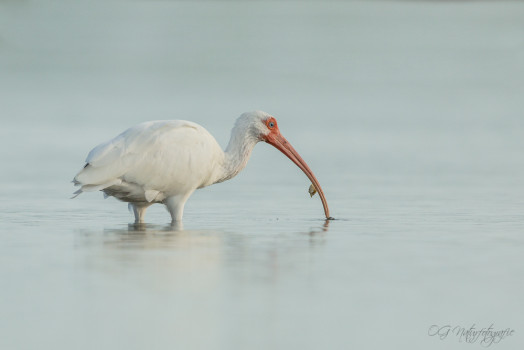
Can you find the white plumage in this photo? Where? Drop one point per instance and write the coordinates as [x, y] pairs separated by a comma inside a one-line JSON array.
[[166, 161]]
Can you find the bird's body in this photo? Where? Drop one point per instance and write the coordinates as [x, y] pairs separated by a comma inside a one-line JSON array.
[[166, 161]]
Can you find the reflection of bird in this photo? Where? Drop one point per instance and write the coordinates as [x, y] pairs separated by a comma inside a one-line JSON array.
[[166, 161]]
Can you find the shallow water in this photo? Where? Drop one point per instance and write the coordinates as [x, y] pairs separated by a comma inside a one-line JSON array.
[[410, 115]]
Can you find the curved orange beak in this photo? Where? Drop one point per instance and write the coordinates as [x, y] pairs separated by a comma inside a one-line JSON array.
[[278, 141]]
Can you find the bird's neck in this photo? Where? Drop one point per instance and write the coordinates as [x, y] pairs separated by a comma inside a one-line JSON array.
[[237, 153]]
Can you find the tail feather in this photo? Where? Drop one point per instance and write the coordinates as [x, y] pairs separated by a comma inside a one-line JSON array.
[[77, 193], [91, 188]]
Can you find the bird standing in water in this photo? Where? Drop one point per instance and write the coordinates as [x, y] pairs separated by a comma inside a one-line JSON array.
[[166, 161]]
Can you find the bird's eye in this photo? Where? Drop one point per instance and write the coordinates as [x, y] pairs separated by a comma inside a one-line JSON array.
[[271, 124]]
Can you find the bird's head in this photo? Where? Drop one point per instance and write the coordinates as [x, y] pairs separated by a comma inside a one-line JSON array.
[[257, 125], [264, 127]]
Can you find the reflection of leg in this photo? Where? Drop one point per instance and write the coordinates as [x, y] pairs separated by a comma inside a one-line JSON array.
[[140, 212]]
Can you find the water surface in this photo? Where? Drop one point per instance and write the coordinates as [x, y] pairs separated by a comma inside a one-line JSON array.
[[409, 113]]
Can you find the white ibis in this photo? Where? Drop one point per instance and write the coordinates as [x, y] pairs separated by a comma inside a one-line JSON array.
[[166, 161]]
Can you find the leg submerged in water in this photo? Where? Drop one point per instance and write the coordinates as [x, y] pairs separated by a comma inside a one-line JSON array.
[[139, 211], [175, 206]]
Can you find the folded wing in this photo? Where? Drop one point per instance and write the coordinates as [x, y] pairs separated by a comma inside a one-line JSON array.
[[152, 161]]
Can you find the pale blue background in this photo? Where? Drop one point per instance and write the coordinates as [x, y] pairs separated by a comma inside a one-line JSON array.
[[409, 113]]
